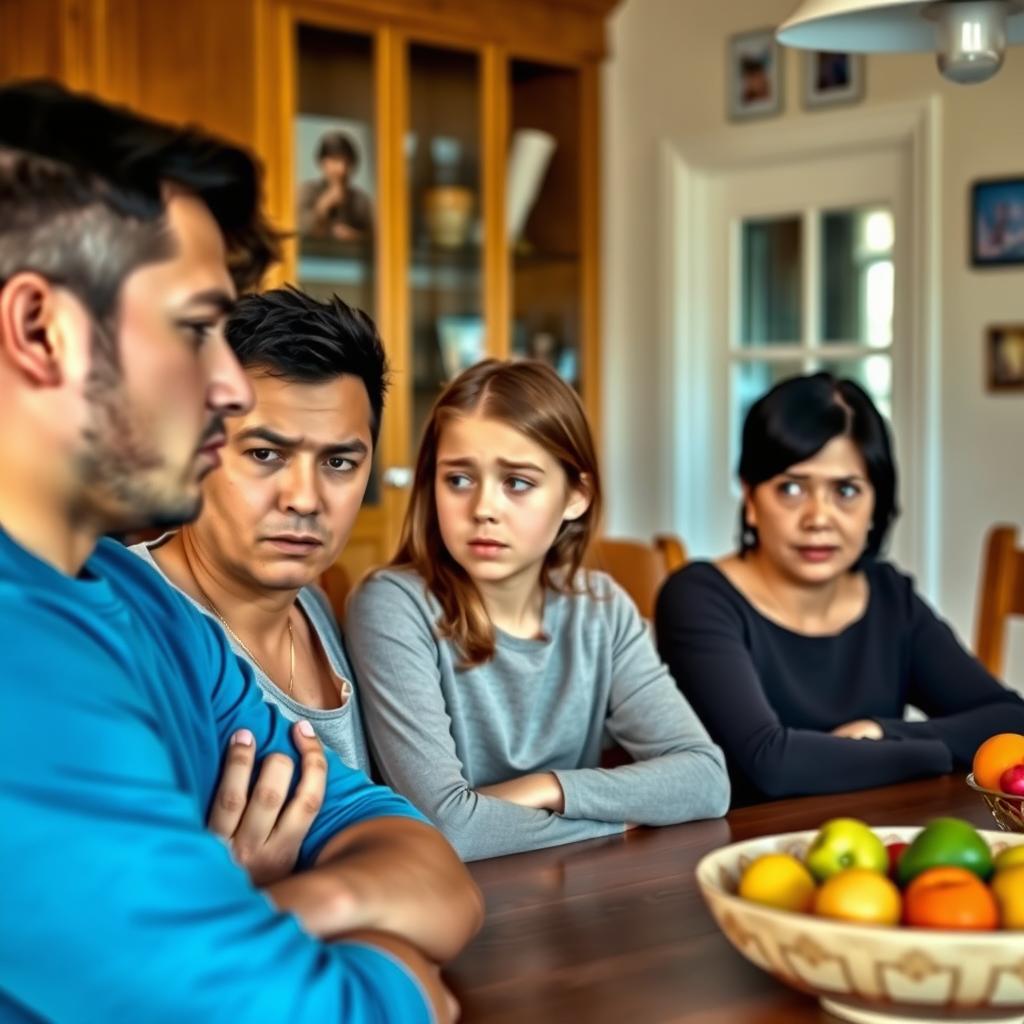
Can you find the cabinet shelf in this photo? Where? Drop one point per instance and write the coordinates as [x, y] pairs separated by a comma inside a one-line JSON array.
[[540, 258], [431, 269]]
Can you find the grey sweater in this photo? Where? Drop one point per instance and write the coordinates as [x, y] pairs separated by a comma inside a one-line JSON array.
[[439, 733]]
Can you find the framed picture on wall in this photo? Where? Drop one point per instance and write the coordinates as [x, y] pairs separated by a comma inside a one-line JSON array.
[[997, 222], [1004, 357], [755, 81], [832, 79]]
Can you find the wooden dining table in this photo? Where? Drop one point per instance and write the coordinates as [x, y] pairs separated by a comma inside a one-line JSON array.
[[616, 929]]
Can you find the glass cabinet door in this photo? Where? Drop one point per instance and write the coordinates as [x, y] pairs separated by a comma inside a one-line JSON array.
[[335, 172], [336, 209], [335, 161], [543, 214], [443, 175], [389, 147]]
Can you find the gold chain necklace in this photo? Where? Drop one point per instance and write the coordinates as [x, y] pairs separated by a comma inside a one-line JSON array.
[[238, 640]]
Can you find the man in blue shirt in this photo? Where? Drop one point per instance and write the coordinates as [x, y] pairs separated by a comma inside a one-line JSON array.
[[120, 699]]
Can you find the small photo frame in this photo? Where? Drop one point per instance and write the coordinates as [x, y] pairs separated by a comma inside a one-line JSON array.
[[997, 222], [1004, 348], [335, 176], [755, 75], [832, 79]]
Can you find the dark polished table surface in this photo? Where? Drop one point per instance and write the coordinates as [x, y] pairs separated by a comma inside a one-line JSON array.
[[616, 929]]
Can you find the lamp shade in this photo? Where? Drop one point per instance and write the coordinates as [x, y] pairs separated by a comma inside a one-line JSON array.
[[875, 26]]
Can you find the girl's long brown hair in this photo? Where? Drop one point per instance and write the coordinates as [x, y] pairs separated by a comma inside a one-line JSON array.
[[529, 397]]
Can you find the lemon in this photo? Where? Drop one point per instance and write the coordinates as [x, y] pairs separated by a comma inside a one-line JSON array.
[[861, 895], [1009, 858], [778, 880], [1008, 887]]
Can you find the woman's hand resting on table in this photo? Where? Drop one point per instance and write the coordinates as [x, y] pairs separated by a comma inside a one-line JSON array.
[[861, 729]]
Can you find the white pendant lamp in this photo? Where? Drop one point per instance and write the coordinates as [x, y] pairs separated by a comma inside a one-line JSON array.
[[969, 36]]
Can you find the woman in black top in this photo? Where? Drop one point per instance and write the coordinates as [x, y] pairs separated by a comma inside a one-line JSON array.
[[801, 651]]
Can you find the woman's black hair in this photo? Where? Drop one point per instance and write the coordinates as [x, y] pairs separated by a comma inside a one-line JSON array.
[[795, 420]]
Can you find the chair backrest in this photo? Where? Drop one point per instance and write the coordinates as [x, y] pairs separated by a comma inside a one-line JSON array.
[[1001, 595], [639, 568], [336, 584]]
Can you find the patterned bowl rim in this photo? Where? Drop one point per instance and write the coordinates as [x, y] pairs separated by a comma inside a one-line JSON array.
[[707, 868], [998, 793]]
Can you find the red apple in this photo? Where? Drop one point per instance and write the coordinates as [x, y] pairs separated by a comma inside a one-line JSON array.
[[895, 851], [1012, 780]]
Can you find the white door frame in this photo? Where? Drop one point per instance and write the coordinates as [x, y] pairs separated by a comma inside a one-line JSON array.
[[685, 343]]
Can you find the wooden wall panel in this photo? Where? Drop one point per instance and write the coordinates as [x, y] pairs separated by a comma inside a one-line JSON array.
[[30, 47], [190, 61]]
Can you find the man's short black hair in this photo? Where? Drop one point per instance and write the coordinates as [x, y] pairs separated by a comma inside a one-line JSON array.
[[291, 335], [796, 419], [80, 192], [338, 144]]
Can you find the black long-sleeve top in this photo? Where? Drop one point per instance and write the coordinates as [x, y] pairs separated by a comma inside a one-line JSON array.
[[770, 696]]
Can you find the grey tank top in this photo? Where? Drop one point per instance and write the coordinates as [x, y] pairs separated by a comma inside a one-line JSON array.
[[341, 729]]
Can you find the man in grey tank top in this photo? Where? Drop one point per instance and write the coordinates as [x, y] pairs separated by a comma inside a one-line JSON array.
[[281, 508]]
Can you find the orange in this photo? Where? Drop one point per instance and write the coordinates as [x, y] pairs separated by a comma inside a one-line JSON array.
[[778, 880], [950, 898], [860, 895], [995, 755], [1008, 888]]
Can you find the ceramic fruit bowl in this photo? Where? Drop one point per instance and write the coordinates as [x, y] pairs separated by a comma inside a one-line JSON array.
[[1006, 808], [869, 974]]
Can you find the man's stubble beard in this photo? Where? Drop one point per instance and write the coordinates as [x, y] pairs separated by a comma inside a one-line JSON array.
[[123, 477]]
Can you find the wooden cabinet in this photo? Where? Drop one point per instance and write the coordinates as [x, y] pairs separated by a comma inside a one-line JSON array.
[[453, 116]]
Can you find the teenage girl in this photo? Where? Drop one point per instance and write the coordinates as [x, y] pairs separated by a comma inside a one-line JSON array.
[[492, 665]]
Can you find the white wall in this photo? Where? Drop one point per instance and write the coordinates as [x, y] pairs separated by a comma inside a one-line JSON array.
[[665, 79]]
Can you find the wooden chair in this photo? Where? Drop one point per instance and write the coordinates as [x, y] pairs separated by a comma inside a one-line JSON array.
[[639, 568], [336, 584], [1001, 595]]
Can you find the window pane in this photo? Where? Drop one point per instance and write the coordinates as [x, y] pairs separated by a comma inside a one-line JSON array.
[[770, 278], [872, 373], [751, 380], [857, 276]]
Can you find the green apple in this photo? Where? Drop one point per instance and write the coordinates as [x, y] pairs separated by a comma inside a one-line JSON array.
[[845, 843], [945, 842]]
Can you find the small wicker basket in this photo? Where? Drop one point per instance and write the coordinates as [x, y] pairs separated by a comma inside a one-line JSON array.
[[1006, 808]]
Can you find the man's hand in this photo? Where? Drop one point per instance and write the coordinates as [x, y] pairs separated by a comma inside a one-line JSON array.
[[446, 1008], [861, 729], [329, 198], [265, 830], [541, 790]]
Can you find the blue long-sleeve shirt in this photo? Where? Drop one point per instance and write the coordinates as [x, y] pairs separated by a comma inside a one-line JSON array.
[[119, 701]]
